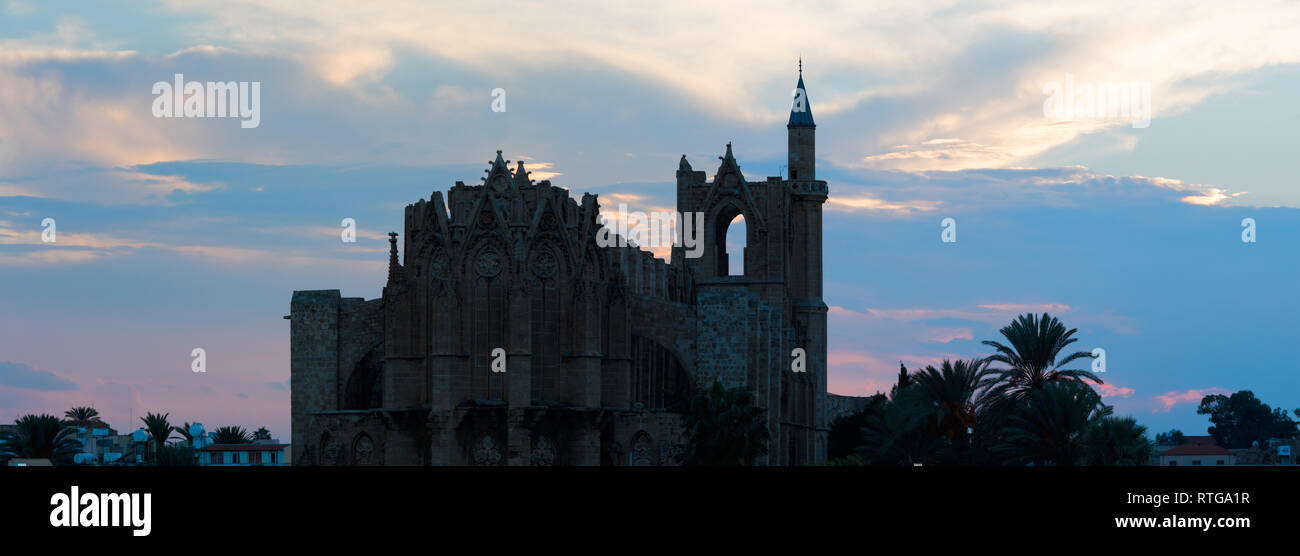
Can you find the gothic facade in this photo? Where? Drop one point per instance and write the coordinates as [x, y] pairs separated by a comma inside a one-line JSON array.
[[602, 346]]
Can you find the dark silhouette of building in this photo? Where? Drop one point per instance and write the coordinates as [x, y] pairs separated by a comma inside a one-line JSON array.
[[602, 346]]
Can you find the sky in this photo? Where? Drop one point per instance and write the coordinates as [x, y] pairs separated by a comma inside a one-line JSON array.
[[179, 233]]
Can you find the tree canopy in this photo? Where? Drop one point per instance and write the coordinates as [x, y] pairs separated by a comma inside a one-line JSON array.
[[1242, 419]]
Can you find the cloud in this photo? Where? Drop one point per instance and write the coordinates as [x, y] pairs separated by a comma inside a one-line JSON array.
[[1112, 391], [863, 202], [16, 8], [1210, 197], [19, 375], [1168, 400], [913, 195], [1020, 308], [945, 335], [941, 153], [936, 96], [858, 373], [992, 313], [863, 373], [73, 248]]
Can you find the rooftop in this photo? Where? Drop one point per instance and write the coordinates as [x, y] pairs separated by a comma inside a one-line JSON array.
[[1198, 446]]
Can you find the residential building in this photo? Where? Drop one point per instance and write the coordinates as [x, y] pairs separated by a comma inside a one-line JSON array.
[[1198, 451]]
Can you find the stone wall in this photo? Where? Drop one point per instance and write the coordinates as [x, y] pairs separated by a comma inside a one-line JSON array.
[[838, 406], [314, 358]]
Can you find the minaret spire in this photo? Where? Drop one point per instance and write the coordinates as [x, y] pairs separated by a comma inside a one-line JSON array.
[[802, 132], [801, 108]]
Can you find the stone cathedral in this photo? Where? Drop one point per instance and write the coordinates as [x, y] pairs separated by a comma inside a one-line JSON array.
[[602, 346]]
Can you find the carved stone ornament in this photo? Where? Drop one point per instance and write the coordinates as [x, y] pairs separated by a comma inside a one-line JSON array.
[[439, 265], [543, 264], [488, 264], [362, 450], [543, 453], [486, 451]]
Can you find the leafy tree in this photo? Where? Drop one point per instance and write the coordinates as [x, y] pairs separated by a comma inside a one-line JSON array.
[[159, 429], [177, 455], [1035, 344], [231, 435], [904, 380], [898, 435], [1117, 441], [87, 417], [41, 437], [1049, 427], [846, 431], [262, 433], [724, 427], [851, 460], [1174, 436], [1242, 419], [1254, 455]]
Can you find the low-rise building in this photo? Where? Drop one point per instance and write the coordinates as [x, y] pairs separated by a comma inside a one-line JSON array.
[[259, 452], [1198, 451]]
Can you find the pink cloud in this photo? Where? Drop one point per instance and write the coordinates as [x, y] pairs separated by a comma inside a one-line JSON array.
[[861, 373], [945, 335], [1111, 391], [1020, 308], [1168, 400], [995, 313]]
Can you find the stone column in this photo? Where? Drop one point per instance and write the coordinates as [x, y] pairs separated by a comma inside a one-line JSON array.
[[519, 373]]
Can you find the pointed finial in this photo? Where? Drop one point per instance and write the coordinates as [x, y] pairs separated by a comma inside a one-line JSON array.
[[394, 269], [801, 66]]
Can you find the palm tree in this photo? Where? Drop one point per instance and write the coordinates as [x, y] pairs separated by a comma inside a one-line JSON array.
[[1117, 441], [1035, 344], [898, 435], [159, 429], [87, 417], [951, 390], [183, 430], [262, 433], [231, 435], [1049, 426], [724, 427], [41, 437]]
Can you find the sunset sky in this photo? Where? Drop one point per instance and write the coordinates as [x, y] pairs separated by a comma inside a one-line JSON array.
[[177, 233]]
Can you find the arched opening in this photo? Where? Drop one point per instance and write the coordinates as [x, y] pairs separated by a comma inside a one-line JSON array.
[[362, 450], [736, 243], [365, 387], [730, 237], [642, 453], [659, 381]]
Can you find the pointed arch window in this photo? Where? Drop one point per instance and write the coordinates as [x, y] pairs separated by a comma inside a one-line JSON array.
[[730, 241]]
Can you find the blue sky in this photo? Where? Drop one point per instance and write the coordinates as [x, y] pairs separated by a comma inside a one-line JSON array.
[[183, 233]]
